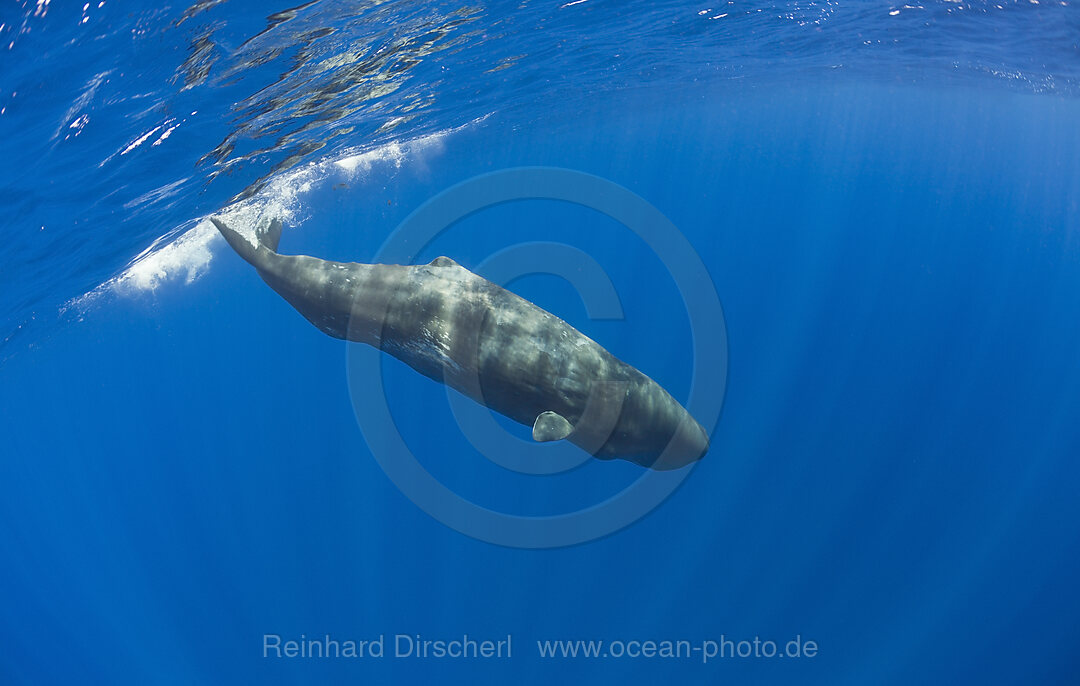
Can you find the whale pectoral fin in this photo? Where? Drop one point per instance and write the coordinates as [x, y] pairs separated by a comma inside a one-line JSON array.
[[550, 426], [442, 261]]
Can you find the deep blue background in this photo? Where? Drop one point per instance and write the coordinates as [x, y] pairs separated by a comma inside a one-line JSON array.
[[894, 475]]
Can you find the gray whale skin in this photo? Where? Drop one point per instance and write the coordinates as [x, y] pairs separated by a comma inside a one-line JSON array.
[[495, 347]]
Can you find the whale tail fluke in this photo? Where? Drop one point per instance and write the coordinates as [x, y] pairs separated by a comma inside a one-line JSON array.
[[272, 236], [268, 240]]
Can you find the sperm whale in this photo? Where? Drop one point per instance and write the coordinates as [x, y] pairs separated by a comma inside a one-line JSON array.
[[489, 344]]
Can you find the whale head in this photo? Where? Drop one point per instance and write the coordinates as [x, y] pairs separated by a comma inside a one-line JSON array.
[[636, 421], [687, 445]]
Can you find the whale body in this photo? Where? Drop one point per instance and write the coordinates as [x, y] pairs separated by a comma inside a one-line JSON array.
[[491, 345]]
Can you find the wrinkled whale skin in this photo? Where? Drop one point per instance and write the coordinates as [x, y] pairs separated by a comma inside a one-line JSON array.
[[491, 345]]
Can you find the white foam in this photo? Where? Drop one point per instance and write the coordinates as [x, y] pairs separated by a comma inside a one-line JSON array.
[[391, 152], [186, 257], [187, 251]]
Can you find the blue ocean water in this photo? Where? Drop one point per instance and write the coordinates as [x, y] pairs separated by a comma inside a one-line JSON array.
[[886, 199]]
